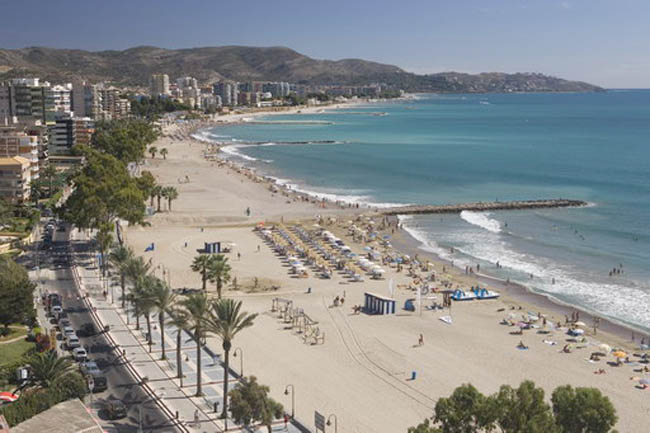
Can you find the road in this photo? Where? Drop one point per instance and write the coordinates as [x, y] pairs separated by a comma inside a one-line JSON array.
[[55, 275]]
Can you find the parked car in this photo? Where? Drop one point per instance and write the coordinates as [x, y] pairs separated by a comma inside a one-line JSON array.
[[68, 330], [63, 323], [56, 309], [115, 409], [72, 342], [90, 368], [79, 354], [101, 384]]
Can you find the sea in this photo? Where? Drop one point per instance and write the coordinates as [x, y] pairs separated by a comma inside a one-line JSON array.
[[440, 149]]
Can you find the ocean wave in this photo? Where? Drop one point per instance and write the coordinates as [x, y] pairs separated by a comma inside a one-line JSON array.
[[233, 151], [623, 301], [481, 219], [342, 196]]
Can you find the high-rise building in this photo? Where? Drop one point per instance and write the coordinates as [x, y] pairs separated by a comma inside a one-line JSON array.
[[31, 98], [15, 179], [159, 85], [15, 142], [61, 96]]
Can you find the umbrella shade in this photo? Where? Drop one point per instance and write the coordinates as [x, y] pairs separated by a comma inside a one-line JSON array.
[[620, 354], [605, 348], [8, 396]]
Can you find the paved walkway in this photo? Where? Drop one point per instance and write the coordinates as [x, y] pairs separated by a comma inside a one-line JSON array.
[[196, 413]]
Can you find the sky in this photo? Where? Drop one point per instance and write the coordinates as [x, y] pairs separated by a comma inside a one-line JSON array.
[[604, 42]]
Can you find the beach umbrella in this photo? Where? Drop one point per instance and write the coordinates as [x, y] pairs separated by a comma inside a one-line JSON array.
[[8, 397], [620, 354], [605, 348], [522, 325], [644, 381], [580, 324]]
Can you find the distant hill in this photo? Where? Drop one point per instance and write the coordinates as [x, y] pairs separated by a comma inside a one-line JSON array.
[[208, 64]]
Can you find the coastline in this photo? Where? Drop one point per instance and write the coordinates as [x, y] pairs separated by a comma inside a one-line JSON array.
[[518, 293], [403, 241]]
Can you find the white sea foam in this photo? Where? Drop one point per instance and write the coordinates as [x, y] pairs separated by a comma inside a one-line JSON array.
[[622, 301], [233, 151], [481, 219]]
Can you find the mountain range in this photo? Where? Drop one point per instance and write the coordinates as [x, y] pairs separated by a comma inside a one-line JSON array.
[[134, 66]]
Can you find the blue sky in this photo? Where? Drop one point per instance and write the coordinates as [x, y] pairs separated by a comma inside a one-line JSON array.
[[605, 42]]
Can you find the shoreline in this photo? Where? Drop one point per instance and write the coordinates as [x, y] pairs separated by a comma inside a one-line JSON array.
[[405, 243], [519, 293]]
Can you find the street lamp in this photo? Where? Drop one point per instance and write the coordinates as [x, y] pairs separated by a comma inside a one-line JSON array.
[[293, 398], [335, 422], [241, 359]]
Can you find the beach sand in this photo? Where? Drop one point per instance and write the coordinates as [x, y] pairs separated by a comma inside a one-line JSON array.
[[361, 371]]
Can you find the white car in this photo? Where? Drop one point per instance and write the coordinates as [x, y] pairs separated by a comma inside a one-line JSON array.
[[57, 309], [68, 331], [79, 354], [72, 342], [90, 368]]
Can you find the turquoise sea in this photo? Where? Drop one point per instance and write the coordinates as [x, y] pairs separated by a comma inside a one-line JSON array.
[[439, 149]]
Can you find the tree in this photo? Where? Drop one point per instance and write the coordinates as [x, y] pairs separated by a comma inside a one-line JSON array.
[[201, 264], [219, 271], [47, 368], [103, 191], [197, 306], [465, 411], [16, 294], [146, 183], [179, 318], [120, 257], [136, 270], [226, 320], [145, 301], [153, 150], [125, 139], [424, 427], [582, 410], [250, 402], [157, 192], [104, 238], [523, 410], [50, 174], [164, 300], [170, 193], [164, 152]]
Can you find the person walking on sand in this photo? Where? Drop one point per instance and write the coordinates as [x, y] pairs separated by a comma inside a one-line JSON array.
[[421, 340]]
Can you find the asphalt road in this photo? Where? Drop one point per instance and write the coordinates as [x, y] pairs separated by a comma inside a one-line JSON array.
[[56, 276]]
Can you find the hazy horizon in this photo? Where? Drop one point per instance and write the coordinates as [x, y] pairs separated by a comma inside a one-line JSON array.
[[597, 41]]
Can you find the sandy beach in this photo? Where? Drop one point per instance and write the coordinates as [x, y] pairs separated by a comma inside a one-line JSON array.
[[360, 371]]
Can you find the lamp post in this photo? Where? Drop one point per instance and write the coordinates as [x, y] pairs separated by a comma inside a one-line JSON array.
[[335, 422], [293, 398], [241, 359]]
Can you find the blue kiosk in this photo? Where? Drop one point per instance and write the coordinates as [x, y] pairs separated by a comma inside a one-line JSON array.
[[378, 304]]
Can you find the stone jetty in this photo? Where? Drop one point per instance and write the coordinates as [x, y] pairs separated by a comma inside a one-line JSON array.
[[482, 206]]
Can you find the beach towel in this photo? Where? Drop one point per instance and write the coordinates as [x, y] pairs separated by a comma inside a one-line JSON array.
[[446, 319]]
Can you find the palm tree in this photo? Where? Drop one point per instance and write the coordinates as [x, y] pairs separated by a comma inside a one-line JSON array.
[[164, 152], [47, 368], [104, 238], [120, 257], [170, 193], [155, 192], [158, 191], [226, 320], [50, 173], [145, 293], [197, 306], [164, 299], [153, 150], [201, 264], [219, 272], [136, 270], [179, 318]]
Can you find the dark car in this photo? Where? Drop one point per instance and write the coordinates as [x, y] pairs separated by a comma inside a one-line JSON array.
[[115, 409], [101, 384]]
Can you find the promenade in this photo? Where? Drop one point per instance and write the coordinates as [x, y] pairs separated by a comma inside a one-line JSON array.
[[178, 397]]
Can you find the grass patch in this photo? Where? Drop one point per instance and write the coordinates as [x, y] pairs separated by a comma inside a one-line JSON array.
[[14, 352], [14, 332]]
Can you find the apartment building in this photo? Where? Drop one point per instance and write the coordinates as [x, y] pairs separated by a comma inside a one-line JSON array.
[[15, 179]]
